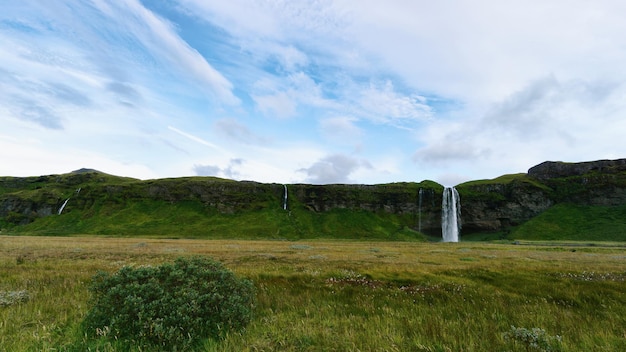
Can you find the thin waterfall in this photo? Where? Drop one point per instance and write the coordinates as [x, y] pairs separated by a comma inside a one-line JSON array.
[[285, 198], [450, 215], [63, 206]]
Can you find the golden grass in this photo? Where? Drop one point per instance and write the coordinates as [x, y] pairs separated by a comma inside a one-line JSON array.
[[314, 295]]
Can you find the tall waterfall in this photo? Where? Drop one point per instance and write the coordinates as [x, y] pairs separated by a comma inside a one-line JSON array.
[[450, 215], [285, 198], [63, 206]]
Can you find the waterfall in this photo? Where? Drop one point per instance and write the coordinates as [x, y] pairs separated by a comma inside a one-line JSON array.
[[285, 198], [63, 206], [450, 215], [419, 210]]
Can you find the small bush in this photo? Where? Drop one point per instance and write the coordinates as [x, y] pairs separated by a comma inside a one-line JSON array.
[[172, 306], [535, 339]]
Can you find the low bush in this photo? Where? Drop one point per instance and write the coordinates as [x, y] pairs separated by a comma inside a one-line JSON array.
[[172, 306]]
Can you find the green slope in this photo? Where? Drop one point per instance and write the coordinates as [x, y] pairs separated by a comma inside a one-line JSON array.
[[205, 207], [573, 222], [191, 207], [193, 220]]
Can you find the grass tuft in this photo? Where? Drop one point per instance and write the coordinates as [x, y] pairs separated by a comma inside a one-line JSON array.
[[342, 295]]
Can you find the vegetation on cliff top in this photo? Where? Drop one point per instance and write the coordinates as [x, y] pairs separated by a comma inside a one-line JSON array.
[[588, 206], [202, 207]]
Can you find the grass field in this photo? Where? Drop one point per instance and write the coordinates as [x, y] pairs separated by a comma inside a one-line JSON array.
[[343, 295]]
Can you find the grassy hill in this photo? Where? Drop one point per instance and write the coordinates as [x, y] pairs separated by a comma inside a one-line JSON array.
[[192, 207], [193, 220], [586, 204], [574, 222]]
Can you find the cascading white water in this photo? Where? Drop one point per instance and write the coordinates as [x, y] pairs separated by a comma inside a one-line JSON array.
[[63, 206], [285, 198], [450, 215]]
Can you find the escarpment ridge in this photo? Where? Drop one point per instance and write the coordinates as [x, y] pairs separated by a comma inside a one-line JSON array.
[[87, 201]]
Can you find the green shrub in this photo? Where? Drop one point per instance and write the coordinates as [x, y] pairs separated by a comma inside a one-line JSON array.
[[172, 306]]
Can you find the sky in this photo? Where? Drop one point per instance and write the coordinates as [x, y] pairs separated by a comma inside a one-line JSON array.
[[318, 91]]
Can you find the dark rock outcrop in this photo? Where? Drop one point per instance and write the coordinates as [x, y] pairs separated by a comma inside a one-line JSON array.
[[497, 206], [401, 199], [555, 169]]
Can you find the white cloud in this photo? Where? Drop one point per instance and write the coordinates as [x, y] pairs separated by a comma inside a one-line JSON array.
[[550, 119], [162, 40], [36, 156], [277, 20], [334, 169], [382, 103], [279, 104], [230, 171], [238, 132], [282, 97], [291, 58], [479, 52], [342, 130], [470, 90], [194, 138]]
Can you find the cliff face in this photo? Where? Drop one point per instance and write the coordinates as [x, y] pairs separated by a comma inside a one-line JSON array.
[[553, 169], [419, 203], [497, 206], [487, 205], [24, 200]]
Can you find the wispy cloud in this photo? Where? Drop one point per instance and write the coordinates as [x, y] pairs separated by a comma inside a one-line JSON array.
[[342, 130], [382, 103], [162, 41], [324, 91], [238, 132], [193, 138]]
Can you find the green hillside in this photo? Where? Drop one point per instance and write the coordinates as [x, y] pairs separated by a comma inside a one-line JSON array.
[[573, 222], [192, 207], [553, 201], [192, 220]]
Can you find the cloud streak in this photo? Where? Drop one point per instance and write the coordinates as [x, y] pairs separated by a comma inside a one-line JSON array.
[[330, 91]]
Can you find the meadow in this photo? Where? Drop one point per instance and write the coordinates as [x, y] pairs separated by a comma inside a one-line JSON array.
[[341, 295]]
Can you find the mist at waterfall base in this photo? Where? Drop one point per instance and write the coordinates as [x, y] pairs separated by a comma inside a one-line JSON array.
[[450, 215]]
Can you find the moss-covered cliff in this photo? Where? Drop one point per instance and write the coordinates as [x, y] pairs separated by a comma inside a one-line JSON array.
[[215, 208], [96, 203], [560, 199]]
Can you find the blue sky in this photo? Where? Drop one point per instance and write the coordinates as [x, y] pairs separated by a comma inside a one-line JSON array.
[[323, 91]]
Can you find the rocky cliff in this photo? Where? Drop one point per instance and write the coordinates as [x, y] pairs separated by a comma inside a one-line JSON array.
[[499, 204], [486, 205], [557, 169], [91, 193], [514, 199]]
